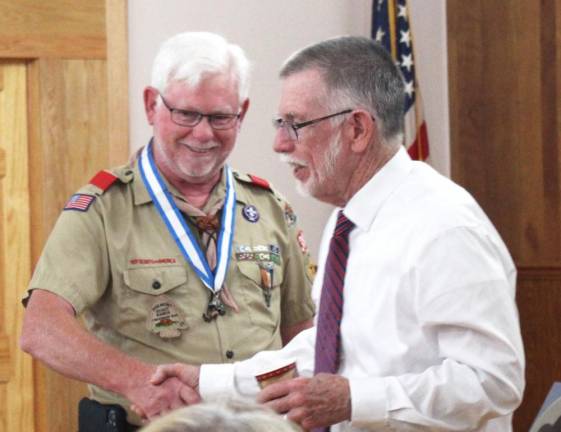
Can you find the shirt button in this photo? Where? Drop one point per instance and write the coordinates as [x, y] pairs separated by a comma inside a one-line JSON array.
[[156, 284], [230, 354]]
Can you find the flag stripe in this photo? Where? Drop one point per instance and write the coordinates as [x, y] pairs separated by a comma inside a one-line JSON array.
[[390, 27]]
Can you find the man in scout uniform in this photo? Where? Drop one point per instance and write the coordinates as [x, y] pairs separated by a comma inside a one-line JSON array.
[[174, 257]]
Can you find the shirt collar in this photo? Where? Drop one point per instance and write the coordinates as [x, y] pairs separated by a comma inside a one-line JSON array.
[[367, 202], [140, 193]]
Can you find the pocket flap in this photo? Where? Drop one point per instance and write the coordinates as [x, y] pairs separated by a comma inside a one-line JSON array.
[[155, 280]]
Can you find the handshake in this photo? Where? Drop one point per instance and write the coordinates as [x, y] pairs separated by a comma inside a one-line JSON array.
[[310, 402], [164, 388]]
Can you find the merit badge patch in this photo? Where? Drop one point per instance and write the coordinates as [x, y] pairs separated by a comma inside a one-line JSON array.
[[250, 213], [302, 242], [289, 215], [165, 320], [311, 271], [79, 202]]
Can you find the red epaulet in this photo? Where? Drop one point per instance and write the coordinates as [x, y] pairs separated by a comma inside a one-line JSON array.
[[103, 180], [259, 182]]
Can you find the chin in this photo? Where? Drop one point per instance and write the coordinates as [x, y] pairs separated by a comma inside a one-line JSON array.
[[200, 171], [303, 189]]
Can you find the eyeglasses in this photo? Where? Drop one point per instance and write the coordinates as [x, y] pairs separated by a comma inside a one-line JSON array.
[[193, 118], [291, 128]]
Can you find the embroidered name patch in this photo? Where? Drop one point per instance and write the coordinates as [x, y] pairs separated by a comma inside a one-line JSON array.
[[150, 261], [79, 202], [258, 253]]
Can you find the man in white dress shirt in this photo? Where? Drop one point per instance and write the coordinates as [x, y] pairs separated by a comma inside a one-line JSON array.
[[430, 337]]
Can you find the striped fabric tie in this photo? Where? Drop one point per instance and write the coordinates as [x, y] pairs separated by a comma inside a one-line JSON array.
[[328, 336]]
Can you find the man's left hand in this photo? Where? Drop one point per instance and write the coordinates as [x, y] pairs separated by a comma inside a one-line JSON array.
[[322, 400]]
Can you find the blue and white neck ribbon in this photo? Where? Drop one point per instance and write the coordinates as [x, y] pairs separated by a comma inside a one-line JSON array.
[[179, 230]]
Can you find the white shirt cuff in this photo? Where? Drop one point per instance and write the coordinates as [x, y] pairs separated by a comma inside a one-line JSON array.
[[368, 401], [216, 381]]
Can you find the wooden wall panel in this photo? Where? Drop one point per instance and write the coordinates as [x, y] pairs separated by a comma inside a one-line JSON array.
[[54, 28], [70, 143], [539, 299], [503, 128], [15, 239], [4, 341], [505, 112], [75, 52], [117, 83]]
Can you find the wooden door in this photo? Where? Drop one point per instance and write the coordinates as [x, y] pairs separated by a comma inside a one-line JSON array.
[[505, 110], [17, 384], [63, 116]]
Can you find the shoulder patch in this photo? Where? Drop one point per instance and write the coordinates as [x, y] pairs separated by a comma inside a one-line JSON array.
[[80, 202], [103, 180], [258, 181]]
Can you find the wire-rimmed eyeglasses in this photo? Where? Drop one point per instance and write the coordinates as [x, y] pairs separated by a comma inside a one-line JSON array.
[[218, 121], [291, 128]]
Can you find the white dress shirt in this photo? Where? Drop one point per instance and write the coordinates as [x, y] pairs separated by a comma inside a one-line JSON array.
[[430, 331]]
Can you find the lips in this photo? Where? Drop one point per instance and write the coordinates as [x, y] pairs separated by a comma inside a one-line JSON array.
[[298, 167], [199, 149]]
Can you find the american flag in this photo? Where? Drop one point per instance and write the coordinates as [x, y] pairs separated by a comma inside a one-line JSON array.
[[390, 27], [80, 202]]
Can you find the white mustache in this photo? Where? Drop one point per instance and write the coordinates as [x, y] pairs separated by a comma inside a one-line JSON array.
[[291, 160]]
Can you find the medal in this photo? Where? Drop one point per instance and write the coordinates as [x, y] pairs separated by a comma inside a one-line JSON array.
[[181, 233], [215, 307]]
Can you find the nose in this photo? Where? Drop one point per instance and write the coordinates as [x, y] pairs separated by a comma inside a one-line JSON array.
[[282, 143], [202, 131]]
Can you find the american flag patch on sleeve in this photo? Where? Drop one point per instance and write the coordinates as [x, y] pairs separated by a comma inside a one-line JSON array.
[[79, 202]]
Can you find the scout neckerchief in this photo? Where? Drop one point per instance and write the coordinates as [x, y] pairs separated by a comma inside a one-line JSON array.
[[181, 233], [207, 223]]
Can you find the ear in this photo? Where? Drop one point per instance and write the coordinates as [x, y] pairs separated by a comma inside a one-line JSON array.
[[361, 128], [150, 101], [245, 107]]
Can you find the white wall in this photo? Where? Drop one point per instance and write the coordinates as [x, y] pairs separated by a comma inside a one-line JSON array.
[[269, 31]]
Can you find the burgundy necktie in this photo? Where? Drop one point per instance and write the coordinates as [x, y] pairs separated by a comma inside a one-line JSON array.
[[328, 337], [328, 332]]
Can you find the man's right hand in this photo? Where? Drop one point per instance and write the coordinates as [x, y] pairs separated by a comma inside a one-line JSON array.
[[51, 333], [150, 399], [187, 374]]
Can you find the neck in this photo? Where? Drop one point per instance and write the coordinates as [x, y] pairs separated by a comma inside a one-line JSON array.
[[196, 194], [367, 166]]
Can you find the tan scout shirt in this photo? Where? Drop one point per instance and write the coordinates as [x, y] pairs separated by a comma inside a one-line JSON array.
[[118, 265]]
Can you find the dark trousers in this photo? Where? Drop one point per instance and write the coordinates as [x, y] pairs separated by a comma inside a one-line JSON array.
[[96, 417]]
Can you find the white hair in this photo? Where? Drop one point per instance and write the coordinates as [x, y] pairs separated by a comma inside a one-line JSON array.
[[227, 416], [188, 56]]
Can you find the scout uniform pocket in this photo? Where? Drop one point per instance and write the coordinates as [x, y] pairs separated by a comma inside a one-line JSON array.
[[260, 282], [154, 301]]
